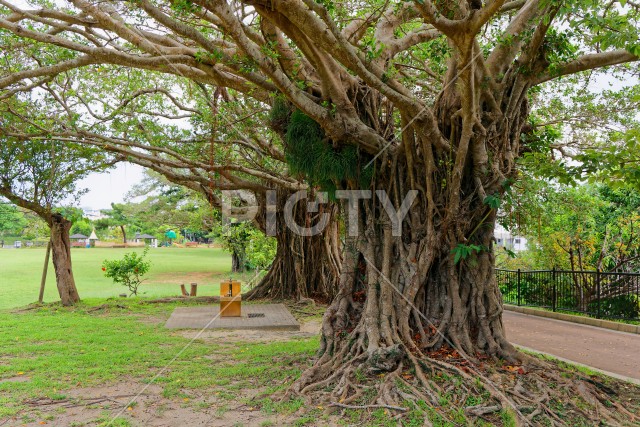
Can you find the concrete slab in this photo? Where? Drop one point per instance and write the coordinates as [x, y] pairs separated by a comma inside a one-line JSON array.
[[273, 317]]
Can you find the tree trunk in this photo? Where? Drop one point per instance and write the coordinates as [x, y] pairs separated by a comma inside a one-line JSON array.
[[237, 262], [304, 266], [404, 296], [124, 234], [61, 255]]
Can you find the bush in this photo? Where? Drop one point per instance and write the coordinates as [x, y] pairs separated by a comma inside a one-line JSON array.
[[261, 250], [618, 307], [128, 271]]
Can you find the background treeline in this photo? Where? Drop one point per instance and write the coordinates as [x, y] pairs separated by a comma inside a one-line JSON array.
[[154, 206]]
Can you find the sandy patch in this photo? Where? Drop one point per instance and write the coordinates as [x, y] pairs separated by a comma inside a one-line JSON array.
[[89, 406], [307, 330]]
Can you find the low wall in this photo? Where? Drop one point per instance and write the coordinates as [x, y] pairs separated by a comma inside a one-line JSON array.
[[119, 245]]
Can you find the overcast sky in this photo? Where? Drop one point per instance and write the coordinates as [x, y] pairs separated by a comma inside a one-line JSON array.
[[109, 187]]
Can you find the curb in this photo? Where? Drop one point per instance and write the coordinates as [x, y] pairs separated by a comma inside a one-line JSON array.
[[583, 320], [572, 362]]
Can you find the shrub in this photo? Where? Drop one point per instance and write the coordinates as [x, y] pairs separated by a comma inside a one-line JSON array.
[[621, 306], [128, 271]]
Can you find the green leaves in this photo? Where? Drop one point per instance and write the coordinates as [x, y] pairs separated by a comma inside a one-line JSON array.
[[11, 219], [128, 271], [462, 251], [309, 153], [493, 201]]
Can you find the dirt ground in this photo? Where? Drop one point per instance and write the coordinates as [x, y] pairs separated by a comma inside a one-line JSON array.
[[98, 405], [92, 406]]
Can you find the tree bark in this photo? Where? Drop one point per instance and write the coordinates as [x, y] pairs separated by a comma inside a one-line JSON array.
[[124, 234], [404, 296], [61, 255], [237, 262], [304, 266]]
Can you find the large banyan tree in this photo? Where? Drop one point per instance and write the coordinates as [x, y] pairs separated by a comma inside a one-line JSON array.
[[426, 95]]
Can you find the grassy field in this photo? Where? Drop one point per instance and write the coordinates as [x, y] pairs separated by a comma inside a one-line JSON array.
[[57, 363], [110, 362], [21, 270]]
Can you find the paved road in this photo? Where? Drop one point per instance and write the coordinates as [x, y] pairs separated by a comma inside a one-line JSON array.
[[612, 351]]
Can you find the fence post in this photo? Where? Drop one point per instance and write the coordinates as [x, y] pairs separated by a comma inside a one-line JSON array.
[[555, 290], [519, 301], [598, 293]]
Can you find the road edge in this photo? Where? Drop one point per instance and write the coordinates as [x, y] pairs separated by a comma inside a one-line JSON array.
[[582, 320], [573, 362]]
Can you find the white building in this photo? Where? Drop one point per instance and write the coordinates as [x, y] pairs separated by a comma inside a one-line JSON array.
[[507, 240], [146, 239], [92, 214]]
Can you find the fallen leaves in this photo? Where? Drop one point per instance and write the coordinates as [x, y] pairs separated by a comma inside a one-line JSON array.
[[515, 369]]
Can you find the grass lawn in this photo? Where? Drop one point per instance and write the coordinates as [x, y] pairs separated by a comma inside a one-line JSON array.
[[110, 361], [21, 270], [56, 363], [87, 365]]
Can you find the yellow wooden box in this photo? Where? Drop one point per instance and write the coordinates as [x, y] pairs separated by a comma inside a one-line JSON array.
[[230, 299], [229, 288]]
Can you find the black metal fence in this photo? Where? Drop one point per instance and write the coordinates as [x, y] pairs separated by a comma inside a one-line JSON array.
[[600, 294]]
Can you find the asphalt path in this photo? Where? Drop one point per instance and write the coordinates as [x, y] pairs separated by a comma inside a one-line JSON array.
[[604, 349]]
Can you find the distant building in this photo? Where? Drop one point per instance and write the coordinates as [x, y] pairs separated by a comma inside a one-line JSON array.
[[146, 239], [507, 240], [93, 214]]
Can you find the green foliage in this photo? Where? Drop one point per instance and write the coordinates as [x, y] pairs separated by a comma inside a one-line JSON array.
[[12, 221], [621, 306], [583, 227], [540, 138], [311, 154], [252, 247], [128, 271], [260, 251], [280, 114], [462, 252], [83, 226], [184, 7], [559, 48], [41, 173], [35, 228], [493, 201]]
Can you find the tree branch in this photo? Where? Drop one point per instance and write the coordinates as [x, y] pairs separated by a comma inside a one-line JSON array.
[[588, 62]]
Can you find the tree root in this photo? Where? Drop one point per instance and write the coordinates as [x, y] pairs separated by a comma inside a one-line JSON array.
[[532, 394], [342, 405]]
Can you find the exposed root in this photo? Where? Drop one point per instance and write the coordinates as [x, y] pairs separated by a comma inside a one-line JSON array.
[[342, 405], [445, 387]]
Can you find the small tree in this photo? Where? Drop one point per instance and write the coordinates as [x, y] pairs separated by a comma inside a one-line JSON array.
[[128, 271], [40, 174], [118, 217]]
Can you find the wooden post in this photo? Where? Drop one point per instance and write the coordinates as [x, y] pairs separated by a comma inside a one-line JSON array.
[[44, 272], [184, 290], [194, 289]]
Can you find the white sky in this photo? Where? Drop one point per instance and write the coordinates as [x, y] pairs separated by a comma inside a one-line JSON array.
[[109, 187]]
